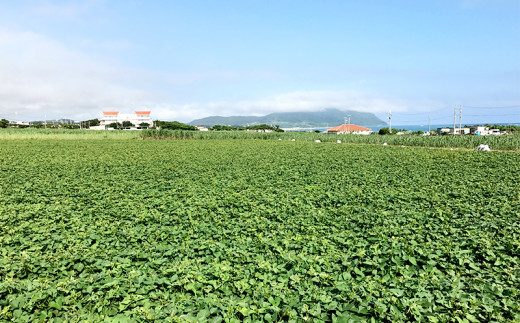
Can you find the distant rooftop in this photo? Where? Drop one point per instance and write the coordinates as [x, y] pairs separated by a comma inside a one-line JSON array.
[[348, 127]]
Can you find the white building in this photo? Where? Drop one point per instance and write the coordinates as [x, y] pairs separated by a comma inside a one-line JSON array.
[[457, 131], [137, 119], [475, 130], [484, 131]]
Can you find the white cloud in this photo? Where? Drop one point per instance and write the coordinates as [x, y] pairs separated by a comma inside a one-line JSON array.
[[316, 100], [41, 77], [291, 102]]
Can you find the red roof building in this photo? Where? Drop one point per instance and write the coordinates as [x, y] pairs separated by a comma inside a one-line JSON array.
[[349, 128], [136, 120]]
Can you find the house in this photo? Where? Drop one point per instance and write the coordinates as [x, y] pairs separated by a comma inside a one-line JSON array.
[[137, 119], [457, 131], [348, 129], [108, 118], [485, 131], [20, 123], [479, 130]]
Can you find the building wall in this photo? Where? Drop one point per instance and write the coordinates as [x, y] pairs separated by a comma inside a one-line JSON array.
[[457, 130], [134, 118], [366, 132]]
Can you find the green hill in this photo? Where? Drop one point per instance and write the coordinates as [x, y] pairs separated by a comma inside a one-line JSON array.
[[319, 119]]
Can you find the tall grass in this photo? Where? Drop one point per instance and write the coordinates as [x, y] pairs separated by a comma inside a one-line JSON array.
[[508, 142], [65, 134]]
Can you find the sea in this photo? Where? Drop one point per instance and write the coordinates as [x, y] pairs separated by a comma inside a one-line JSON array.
[[423, 128]]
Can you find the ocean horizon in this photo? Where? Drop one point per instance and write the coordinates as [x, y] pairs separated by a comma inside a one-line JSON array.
[[410, 127]]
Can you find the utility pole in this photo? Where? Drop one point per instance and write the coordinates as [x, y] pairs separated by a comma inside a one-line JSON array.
[[390, 120], [429, 125], [347, 123], [460, 119], [454, 116]]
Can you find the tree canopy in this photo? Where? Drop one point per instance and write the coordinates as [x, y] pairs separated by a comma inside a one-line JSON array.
[[260, 127], [115, 125], [127, 124], [175, 125], [4, 123], [91, 122]]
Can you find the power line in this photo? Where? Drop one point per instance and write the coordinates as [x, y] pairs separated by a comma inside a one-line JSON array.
[[425, 112], [465, 107], [493, 115], [506, 107]]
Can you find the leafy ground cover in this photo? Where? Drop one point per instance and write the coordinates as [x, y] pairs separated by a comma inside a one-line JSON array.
[[251, 230]]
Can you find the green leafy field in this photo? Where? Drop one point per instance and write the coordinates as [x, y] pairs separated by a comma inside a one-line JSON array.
[[235, 230]]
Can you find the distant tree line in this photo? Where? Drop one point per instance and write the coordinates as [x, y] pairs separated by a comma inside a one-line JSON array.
[[175, 125], [90, 123], [386, 131], [260, 127], [4, 123]]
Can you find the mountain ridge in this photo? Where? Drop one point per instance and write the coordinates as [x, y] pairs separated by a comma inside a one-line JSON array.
[[318, 119]]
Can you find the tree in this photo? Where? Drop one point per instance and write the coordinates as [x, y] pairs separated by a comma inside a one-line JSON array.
[[219, 127], [127, 124], [278, 129], [144, 125], [384, 131], [70, 126], [264, 127], [90, 123], [175, 125], [4, 123], [115, 125]]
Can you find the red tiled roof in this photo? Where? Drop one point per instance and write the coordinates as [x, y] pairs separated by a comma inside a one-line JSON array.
[[142, 112], [110, 113], [348, 127]]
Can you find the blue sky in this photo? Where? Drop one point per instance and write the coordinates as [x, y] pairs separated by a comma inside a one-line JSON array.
[[190, 59]]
